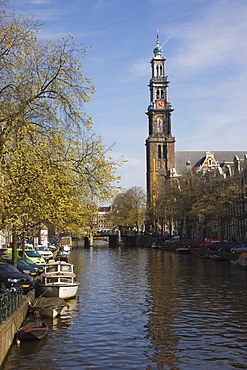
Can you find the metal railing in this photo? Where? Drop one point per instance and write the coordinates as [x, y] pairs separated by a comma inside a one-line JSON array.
[[10, 300]]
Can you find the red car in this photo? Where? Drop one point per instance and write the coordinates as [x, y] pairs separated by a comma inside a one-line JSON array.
[[182, 242], [194, 243], [205, 244]]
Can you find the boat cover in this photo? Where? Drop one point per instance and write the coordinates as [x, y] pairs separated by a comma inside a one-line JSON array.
[[48, 302]]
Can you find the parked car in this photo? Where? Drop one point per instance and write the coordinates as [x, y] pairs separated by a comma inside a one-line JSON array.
[[163, 238], [28, 253], [193, 243], [173, 240], [182, 242], [212, 241], [44, 252], [26, 269], [10, 277], [213, 247], [23, 267], [226, 247], [52, 247], [40, 268], [26, 245], [239, 249], [54, 240], [35, 257], [208, 243]]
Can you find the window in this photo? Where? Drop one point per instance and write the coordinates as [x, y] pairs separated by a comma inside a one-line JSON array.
[[66, 268], [164, 151], [159, 151]]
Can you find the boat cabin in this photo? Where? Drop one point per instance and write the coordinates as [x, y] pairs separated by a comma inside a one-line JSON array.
[[58, 280], [59, 267]]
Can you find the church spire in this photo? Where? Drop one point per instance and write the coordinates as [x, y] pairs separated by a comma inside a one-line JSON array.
[[160, 142]]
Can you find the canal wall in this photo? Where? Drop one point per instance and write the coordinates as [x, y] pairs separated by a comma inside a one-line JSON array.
[[11, 325], [139, 240]]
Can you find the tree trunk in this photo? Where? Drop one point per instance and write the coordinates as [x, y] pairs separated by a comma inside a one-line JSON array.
[[14, 246]]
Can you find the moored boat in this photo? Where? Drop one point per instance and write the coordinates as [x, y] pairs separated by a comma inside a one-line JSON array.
[[49, 306], [58, 280], [215, 257], [183, 250], [155, 244], [62, 256], [33, 330], [204, 256]]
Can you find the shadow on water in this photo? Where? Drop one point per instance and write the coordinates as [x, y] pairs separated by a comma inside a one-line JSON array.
[[27, 353]]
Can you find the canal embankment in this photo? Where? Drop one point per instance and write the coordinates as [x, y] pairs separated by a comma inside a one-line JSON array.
[[11, 324]]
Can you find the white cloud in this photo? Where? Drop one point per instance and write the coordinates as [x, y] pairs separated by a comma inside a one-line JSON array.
[[218, 36], [140, 68], [37, 2], [206, 65]]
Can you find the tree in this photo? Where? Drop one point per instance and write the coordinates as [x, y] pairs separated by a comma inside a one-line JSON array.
[[129, 208], [176, 200], [42, 84], [203, 204], [51, 162], [167, 207], [214, 207], [54, 181]]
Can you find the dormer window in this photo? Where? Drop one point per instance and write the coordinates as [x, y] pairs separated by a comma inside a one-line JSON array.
[[210, 162]]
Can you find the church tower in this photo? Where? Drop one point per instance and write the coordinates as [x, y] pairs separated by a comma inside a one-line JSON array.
[[160, 142]]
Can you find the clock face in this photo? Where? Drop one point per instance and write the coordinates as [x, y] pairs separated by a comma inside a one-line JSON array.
[[160, 104]]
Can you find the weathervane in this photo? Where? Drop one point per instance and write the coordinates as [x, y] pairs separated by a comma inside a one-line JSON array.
[[157, 42]]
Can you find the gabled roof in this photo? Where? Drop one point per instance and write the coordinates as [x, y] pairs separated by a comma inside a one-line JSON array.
[[199, 163], [185, 160]]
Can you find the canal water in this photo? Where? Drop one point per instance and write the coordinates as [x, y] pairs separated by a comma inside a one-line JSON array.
[[140, 308]]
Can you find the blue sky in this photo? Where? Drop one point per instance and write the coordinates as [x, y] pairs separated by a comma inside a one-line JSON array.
[[206, 65]]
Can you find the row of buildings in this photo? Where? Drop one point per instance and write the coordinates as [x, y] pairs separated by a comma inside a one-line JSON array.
[[164, 164]]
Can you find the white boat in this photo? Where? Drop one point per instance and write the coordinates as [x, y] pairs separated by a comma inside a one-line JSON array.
[[155, 245], [58, 280], [49, 306], [183, 250]]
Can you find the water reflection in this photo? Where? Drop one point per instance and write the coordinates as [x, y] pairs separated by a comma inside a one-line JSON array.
[[31, 348], [198, 313], [63, 321], [146, 309], [163, 309]]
